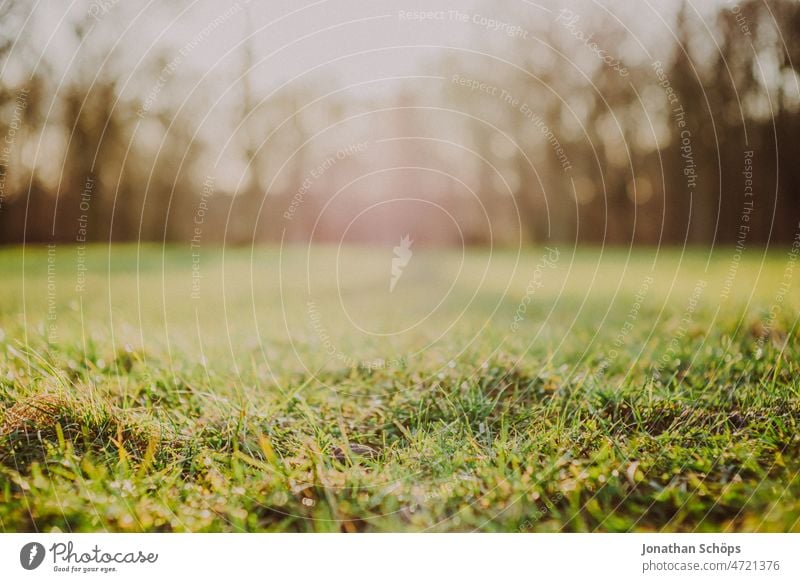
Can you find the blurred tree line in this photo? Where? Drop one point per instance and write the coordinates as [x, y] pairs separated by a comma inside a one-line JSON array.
[[696, 142]]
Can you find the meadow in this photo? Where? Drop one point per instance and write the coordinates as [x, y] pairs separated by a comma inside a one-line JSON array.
[[290, 389]]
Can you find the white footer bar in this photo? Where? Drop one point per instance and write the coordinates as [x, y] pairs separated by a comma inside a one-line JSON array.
[[351, 558]]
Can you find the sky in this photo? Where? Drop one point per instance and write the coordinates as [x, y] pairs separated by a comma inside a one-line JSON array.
[[345, 40], [190, 55]]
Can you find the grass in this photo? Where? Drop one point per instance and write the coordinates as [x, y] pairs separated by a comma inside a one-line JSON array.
[[595, 390]]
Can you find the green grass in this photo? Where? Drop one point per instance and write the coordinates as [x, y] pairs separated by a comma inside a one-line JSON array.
[[132, 406]]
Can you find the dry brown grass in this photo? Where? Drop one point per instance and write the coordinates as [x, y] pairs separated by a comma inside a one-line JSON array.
[[37, 412]]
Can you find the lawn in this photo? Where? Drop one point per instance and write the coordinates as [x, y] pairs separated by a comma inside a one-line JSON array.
[[267, 389]]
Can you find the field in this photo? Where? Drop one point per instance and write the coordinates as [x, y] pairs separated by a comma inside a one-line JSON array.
[[267, 389]]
